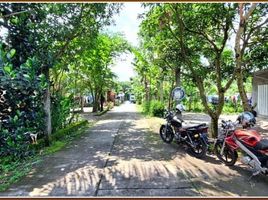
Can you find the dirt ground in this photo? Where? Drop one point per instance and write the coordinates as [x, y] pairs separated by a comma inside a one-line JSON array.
[[191, 119]]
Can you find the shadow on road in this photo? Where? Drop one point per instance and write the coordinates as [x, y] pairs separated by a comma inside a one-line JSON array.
[[121, 156]]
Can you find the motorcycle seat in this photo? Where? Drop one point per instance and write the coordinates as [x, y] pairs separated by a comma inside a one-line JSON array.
[[195, 127], [262, 145]]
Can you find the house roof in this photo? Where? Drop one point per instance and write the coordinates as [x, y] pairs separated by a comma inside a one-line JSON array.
[[262, 73]]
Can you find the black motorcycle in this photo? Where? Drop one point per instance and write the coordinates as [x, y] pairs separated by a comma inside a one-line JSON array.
[[195, 137]]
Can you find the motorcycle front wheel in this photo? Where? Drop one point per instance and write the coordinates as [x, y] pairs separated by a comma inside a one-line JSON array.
[[166, 133], [229, 156], [200, 149]]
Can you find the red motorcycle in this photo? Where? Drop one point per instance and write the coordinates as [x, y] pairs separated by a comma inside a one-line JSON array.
[[247, 140]]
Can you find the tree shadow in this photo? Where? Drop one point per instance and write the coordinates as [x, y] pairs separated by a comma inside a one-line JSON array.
[[133, 162]]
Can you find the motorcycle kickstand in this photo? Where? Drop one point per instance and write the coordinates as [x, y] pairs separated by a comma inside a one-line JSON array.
[[254, 174]]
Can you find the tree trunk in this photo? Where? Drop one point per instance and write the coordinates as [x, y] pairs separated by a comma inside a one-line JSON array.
[[214, 126], [178, 76], [47, 109], [95, 105], [239, 53], [149, 90], [215, 116], [146, 90], [190, 102], [170, 98], [177, 80], [161, 91], [242, 92], [82, 103]]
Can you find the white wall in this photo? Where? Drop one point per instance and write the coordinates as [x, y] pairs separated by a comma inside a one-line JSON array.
[[262, 103]]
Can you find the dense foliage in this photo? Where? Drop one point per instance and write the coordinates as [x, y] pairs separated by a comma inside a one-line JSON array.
[[52, 55], [21, 108], [154, 108], [189, 45]]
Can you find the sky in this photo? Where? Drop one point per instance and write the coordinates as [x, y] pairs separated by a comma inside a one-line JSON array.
[[126, 22]]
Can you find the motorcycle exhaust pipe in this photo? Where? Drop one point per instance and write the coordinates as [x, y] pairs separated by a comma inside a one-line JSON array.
[[250, 154]]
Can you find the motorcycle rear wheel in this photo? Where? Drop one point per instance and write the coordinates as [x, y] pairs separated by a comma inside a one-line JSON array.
[[166, 134], [200, 150], [229, 156]]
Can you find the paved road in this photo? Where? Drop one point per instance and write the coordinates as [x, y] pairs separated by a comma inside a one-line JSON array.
[[120, 156]]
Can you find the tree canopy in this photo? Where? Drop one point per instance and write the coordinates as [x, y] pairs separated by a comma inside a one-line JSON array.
[[191, 43]]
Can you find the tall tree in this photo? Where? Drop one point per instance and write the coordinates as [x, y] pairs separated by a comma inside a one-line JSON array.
[[94, 60], [250, 33], [45, 31], [201, 30]]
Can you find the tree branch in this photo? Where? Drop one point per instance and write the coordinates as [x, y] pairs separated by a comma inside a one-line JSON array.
[[250, 11], [15, 13]]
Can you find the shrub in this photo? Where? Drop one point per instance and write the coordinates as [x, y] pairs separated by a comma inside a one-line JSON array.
[[232, 108], [70, 131], [61, 106], [157, 108], [198, 107], [146, 107], [153, 108], [21, 106], [110, 105]]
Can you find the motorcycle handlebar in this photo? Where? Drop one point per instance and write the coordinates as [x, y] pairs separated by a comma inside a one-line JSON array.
[[227, 124]]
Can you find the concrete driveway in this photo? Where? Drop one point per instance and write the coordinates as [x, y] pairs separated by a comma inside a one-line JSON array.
[[122, 156]]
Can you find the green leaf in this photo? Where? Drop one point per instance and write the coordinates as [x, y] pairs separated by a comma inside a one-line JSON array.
[[26, 76], [7, 69], [11, 53], [16, 118]]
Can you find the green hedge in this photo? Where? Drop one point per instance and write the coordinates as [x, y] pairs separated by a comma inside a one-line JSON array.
[[153, 108], [146, 107], [13, 170], [230, 108], [61, 134]]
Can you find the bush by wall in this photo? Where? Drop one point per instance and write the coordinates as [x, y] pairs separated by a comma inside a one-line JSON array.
[[153, 108], [230, 108], [146, 107], [61, 107], [21, 107], [157, 108]]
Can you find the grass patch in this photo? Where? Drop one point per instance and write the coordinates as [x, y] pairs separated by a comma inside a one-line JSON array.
[[102, 112], [56, 146], [141, 111], [12, 170], [139, 108], [64, 136], [109, 107]]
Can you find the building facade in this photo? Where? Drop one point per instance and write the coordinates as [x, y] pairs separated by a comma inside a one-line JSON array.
[[260, 92]]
